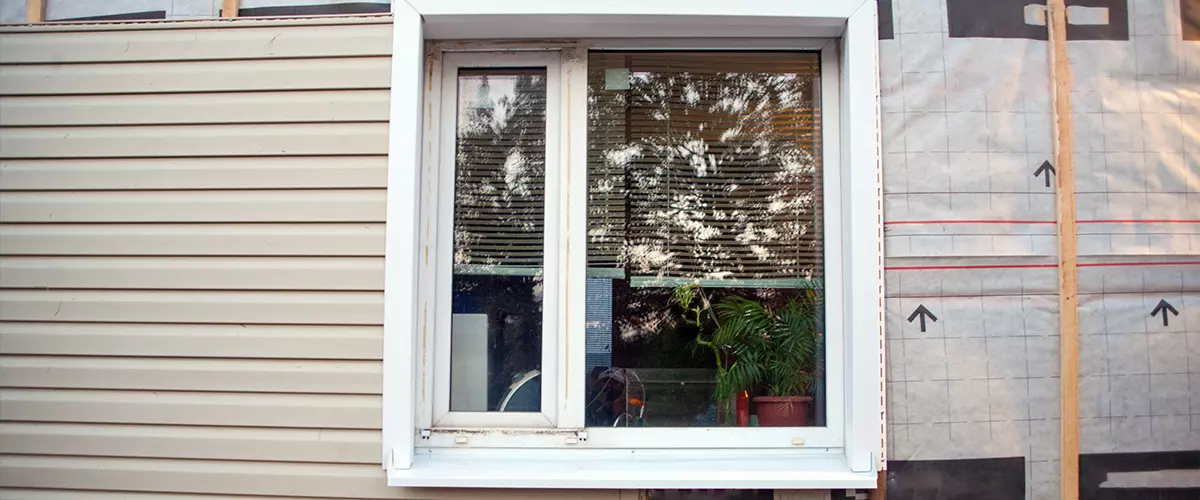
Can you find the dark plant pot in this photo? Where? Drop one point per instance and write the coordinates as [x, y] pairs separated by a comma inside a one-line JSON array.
[[783, 411]]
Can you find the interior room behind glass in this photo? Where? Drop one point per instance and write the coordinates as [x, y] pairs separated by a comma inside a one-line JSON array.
[[705, 241]]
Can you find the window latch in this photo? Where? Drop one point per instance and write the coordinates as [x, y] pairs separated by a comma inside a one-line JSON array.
[[577, 438]]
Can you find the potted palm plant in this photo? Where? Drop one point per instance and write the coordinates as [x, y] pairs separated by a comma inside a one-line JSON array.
[[779, 354], [775, 353]]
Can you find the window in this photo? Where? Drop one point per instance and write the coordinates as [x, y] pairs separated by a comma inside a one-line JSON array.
[[704, 298], [497, 241], [704, 206], [647, 255]]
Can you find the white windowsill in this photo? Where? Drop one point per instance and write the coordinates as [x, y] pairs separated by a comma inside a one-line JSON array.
[[661, 470]]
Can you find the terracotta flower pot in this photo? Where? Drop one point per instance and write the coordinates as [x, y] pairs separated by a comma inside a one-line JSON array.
[[783, 411]]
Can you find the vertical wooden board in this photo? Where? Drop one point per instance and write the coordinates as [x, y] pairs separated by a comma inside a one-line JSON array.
[[229, 8], [1068, 272], [35, 11]]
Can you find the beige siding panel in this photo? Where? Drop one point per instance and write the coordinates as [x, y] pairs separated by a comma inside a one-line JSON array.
[[148, 374], [44, 494], [199, 341], [312, 308], [197, 44], [194, 273], [216, 443], [326, 172], [192, 408], [412, 494], [194, 206], [240, 478], [191, 239], [139, 141], [191, 243], [261, 107], [208, 76]]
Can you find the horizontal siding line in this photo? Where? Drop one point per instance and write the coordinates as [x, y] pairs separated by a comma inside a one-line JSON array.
[[192, 495], [191, 124], [190, 358], [210, 291], [177, 157], [308, 156], [132, 322], [197, 256], [342, 411], [145, 25], [157, 61], [200, 92], [178, 93], [268, 188], [61, 394], [193, 341], [153, 78], [194, 306], [192, 391], [91, 494], [192, 290], [176, 459], [85, 422], [13, 360], [189, 391], [140, 223], [143, 323], [190, 157], [267, 290], [201, 223], [188, 426], [155, 255]]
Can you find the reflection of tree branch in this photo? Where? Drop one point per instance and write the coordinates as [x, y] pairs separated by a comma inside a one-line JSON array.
[[747, 167], [500, 172]]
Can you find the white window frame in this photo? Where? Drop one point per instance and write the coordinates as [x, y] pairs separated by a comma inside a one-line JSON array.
[[425, 446], [442, 219]]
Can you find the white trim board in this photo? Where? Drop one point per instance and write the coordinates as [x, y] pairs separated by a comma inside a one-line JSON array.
[[526, 19], [401, 241]]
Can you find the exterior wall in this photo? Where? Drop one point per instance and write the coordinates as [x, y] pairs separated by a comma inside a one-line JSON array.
[[971, 236], [191, 261]]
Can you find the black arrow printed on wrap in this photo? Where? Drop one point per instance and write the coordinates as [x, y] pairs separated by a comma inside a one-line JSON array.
[[922, 313], [1164, 307], [1048, 169]]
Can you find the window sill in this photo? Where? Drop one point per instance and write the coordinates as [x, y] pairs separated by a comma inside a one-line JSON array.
[[620, 469]]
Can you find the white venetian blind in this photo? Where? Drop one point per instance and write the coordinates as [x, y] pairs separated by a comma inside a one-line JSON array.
[[499, 191], [705, 166]]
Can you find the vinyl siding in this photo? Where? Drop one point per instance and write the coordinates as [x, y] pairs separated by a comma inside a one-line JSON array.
[[191, 262]]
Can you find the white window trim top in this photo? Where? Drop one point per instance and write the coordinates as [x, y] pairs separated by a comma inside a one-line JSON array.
[[564, 457]]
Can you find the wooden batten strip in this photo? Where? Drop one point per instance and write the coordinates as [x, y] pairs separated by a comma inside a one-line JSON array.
[[1060, 72], [35, 11], [229, 9]]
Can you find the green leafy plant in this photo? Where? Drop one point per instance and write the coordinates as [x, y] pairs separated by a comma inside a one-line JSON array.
[[777, 349], [774, 350]]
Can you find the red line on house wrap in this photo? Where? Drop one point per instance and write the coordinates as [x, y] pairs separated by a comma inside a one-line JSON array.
[[1038, 266], [996, 221]]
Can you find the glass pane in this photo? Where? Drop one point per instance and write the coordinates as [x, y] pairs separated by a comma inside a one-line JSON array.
[[499, 208], [705, 302]]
